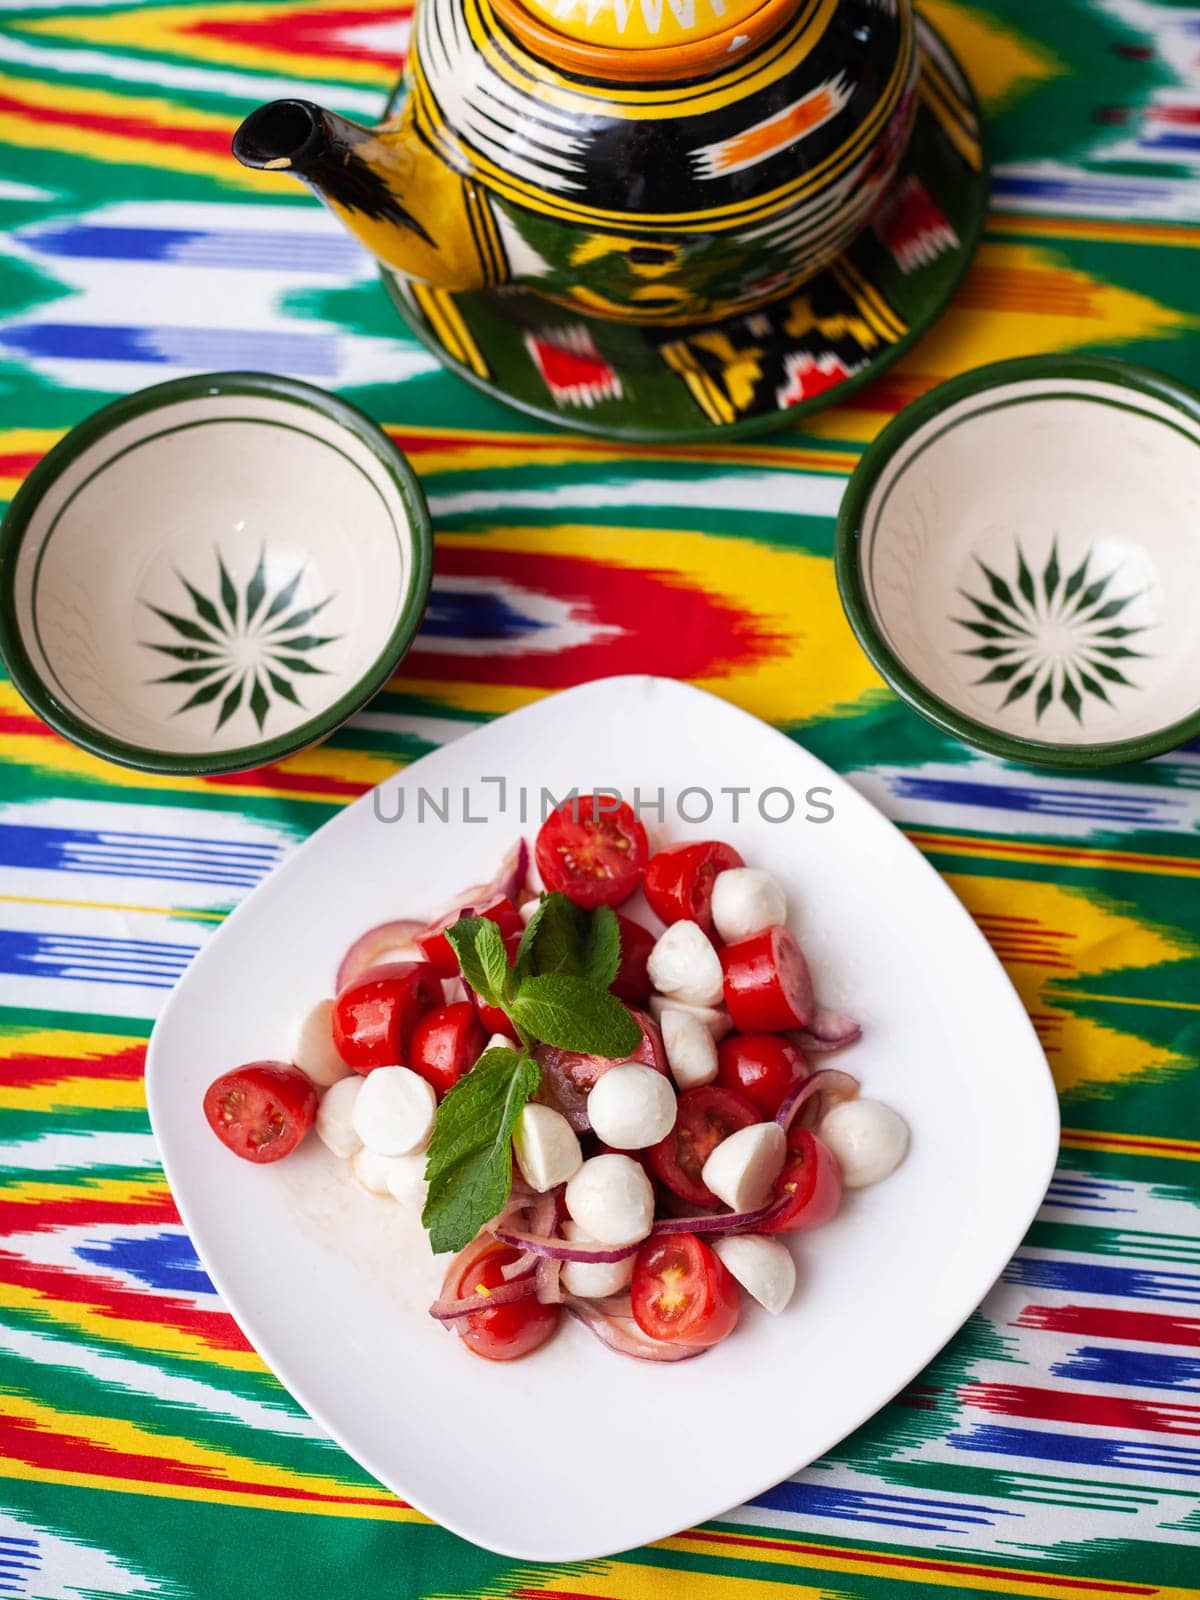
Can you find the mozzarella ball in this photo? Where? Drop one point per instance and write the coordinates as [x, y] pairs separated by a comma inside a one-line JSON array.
[[313, 1050], [546, 1148], [525, 911], [684, 965], [715, 1018], [405, 1179], [611, 1198], [743, 1168], [691, 1049], [335, 1116], [394, 1111], [498, 1041], [869, 1139], [372, 1172], [592, 1280], [763, 1266], [746, 900], [631, 1107]]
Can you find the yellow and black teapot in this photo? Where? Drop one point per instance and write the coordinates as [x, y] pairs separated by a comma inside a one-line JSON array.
[[640, 164]]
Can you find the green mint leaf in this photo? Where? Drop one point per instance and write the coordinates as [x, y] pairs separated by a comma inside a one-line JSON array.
[[602, 953], [572, 1014], [479, 946], [561, 937], [523, 960], [469, 1164]]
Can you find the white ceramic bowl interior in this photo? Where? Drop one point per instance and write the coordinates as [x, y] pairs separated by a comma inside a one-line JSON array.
[[215, 572], [1031, 556]]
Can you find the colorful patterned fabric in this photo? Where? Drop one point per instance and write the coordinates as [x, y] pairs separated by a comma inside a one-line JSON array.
[[1053, 1448]]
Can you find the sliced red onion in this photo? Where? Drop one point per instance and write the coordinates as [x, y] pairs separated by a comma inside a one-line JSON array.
[[827, 1030], [504, 1294], [389, 941], [509, 880], [722, 1221], [566, 1249], [524, 1263], [624, 1335], [612, 1305], [543, 1221], [813, 1097]]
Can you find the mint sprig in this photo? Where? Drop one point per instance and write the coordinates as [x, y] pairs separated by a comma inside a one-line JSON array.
[[554, 992]]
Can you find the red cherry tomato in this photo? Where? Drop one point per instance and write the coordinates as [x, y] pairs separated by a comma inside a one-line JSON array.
[[373, 1017], [262, 1111], [509, 1331], [767, 984], [492, 1018], [762, 1066], [679, 881], [568, 1076], [683, 1292], [703, 1118], [439, 952], [446, 1043], [593, 850], [813, 1179], [632, 982]]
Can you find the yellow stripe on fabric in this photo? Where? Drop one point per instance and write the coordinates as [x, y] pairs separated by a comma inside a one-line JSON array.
[[1096, 228], [112, 905], [127, 1438], [761, 1545], [1080, 854], [1135, 1144], [360, 1510]]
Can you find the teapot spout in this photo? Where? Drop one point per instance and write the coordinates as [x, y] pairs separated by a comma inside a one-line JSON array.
[[379, 182]]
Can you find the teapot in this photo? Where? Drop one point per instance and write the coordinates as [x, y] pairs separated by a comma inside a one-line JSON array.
[[655, 161]]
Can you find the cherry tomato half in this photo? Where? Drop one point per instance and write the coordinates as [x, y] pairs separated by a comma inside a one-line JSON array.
[[703, 1118], [373, 1017], [446, 1043], [492, 1018], [813, 1179], [632, 982], [439, 952], [679, 881], [683, 1292], [593, 850], [568, 1076], [767, 984], [762, 1066], [262, 1111], [509, 1331]]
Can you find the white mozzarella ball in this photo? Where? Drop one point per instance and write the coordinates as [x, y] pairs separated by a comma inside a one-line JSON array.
[[313, 1050], [394, 1111], [592, 1280], [715, 1018], [691, 1049], [611, 1198], [406, 1179], [684, 965], [763, 1266], [546, 1147], [499, 1041], [335, 1116], [525, 912], [869, 1139], [743, 1168], [631, 1107], [745, 900], [372, 1171]]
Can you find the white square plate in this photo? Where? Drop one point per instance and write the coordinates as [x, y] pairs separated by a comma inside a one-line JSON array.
[[578, 1452]]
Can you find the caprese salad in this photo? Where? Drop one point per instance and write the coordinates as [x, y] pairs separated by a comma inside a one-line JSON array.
[[608, 1113]]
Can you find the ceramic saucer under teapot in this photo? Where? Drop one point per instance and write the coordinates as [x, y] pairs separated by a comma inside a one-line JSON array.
[[658, 218]]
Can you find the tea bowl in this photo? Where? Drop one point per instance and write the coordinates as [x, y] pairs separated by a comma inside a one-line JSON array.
[[1018, 553], [212, 574]]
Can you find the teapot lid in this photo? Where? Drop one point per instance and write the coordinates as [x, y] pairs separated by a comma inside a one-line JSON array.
[[645, 39]]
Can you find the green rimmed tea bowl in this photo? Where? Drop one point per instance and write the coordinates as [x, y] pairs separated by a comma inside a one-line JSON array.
[[212, 574], [1018, 553]]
